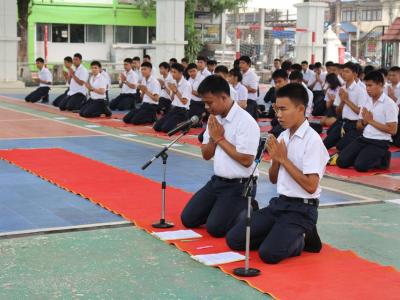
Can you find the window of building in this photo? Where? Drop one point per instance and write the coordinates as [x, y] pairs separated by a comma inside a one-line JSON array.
[[139, 35], [77, 33], [40, 32], [371, 15], [59, 33], [122, 34], [152, 34], [94, 33]]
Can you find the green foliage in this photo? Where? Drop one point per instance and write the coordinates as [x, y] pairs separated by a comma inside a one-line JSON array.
[[194, 44], [146, 6], [218, 6]]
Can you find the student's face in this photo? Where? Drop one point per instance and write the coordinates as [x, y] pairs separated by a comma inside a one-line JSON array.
[[277, 64], [192, 73], [95, 70], [146, 59], [176, 74], [146, 71], [348, 75], [394, 77], [39, 65], [127, 66], [185, 64], [76, 61], [243, 66], [288, 113], [67, 64], [136, 64], [280, 82], [216, 104], [232, 79], [304, 67], [211, 68], [163, 71], [201, 64], [374, 90], [317, 70]]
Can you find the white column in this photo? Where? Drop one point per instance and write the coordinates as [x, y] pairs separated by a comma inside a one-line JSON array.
[[8, 44], [170, 30], [310, 16]]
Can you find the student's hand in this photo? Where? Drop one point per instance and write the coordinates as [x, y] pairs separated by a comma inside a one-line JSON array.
[[277, 150], [88, 86], [143, 89], [343, 94], [215, 129], [161, 82], [172, 87], [123, 77], [71, 72], [367, 115], [331, 97]]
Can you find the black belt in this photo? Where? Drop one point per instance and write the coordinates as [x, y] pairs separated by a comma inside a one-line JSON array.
[[233, 180], [313, 202], [349, 121]]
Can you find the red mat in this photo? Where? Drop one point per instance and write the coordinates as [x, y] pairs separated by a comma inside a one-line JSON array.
[[332, 274], [350, 172]]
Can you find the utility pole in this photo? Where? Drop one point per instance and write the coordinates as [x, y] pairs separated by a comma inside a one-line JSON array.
[[358, 19]]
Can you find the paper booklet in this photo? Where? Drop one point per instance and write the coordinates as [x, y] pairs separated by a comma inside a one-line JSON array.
[[176, 235], [218, 258]]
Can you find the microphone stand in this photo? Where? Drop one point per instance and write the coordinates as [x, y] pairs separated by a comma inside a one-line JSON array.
[[247, 193], [164, 155]]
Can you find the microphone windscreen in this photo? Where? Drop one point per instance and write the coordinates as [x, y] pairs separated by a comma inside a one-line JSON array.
[[195, 119]]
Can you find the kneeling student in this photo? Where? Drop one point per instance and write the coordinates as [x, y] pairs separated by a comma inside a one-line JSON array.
[[150, 90], [181, 92], [67, 65], [378, 120], [97, 86], [44, 78], [287, 226]]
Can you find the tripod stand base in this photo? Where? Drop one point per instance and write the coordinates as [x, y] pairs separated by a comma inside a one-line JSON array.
[[243, 272], [163, 224]]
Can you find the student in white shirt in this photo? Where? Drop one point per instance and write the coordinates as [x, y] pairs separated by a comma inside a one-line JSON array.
[[97, 87], [165, 101], [224, 73], [297, 77], [128, 82], [211, 65], [287, 226], [77, 89], [392, 89], [67, 65], [150, 90], [235, 79], [181, 93], [308, 75], [44, 79], [317, 87], [202, 66], [281, 78], [250, 81], [349, 100], [197, 107], [107, 78], [333, 85], [378, 120], [232, 139]]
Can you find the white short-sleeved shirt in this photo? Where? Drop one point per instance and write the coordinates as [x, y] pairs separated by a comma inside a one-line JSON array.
[[82, 73], [132, 78], [166, 80], [307, 152], [357, 95], [185, 89], [396, 90], [153, 86], [98, 82], [45, 75], [205, 73], [330, 91], [310, 103], [241, 91], [341, 80], [107, 78], [384, 111], [362, 85], [251, 79], [195, 85], [242, 131], [232, 93], [309, 76], [318, 86]]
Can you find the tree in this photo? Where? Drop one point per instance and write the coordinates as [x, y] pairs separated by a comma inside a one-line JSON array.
[[24, 10]]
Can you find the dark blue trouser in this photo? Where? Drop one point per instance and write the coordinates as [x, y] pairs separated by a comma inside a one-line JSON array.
[[335, 136], [217, 205], [277, 231], [38, 94]]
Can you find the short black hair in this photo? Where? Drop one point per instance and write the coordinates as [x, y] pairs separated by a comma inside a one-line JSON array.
[[221, 69], [368, 69], [394, 69], [68, 59], [95, 63], [236, 73], [296, 93], [359, 69], [296, 75], [213, 84], [329, 64], [128, 60], [147, 65], [185, 59], [339, 66], [178, 67], [317, 65], [352, 66], [201, 57], [39, 59], [383, 71], [246, 59], [304, 62], [375, 76], [136, 58], [191, 66], [311, 66], [78, 55], [296, 67], [146, 56], [281, 73], [333, 81], [277, 59], [236, 63], [286, 65], [173, 60], [164, 65], [212, 62]]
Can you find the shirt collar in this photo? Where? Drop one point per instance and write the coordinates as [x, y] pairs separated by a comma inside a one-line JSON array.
[[381, 98], [301, 131], [352, 85], [231, 114]]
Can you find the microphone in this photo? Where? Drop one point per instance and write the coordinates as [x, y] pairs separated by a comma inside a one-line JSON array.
[[185, 125], [261, 147]]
